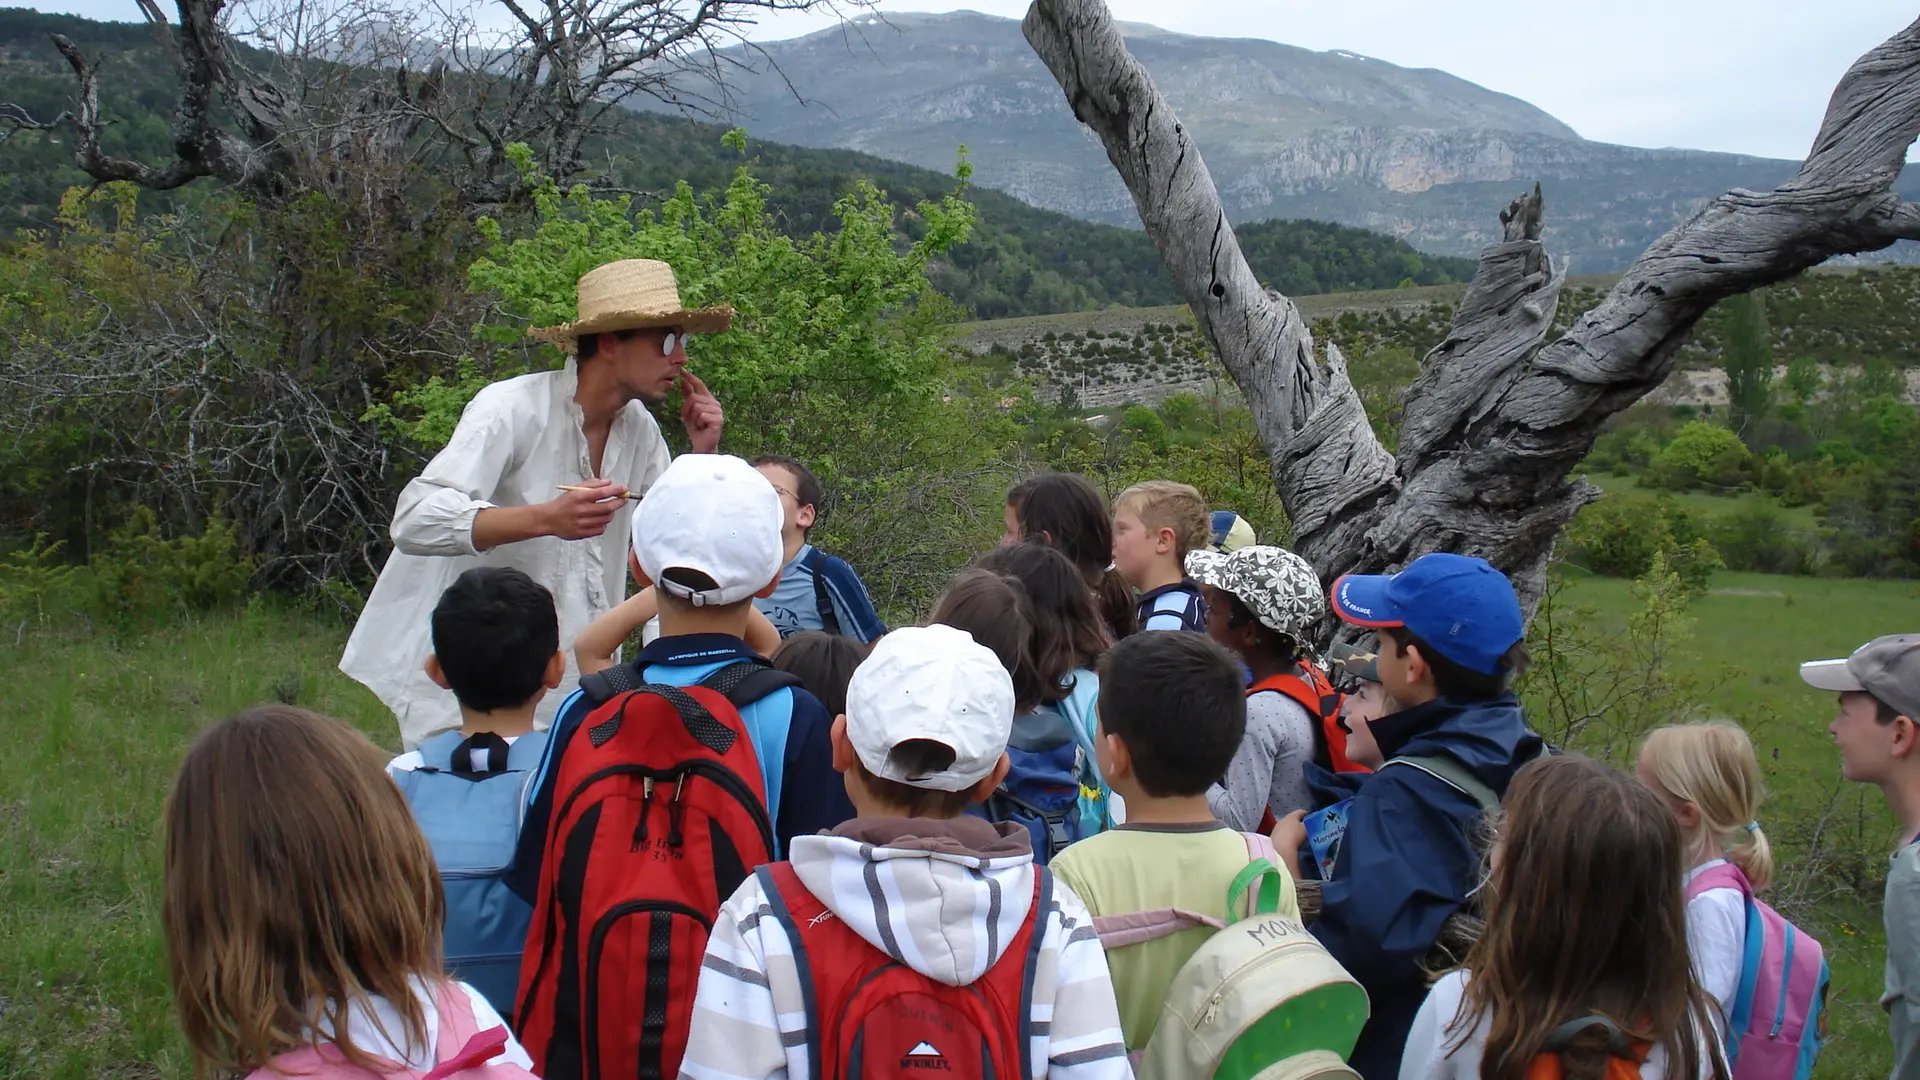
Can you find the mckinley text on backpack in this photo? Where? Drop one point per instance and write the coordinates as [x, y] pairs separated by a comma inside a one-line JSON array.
[[659, 814]]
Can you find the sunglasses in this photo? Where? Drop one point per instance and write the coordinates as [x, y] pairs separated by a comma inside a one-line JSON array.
[[671, 340]]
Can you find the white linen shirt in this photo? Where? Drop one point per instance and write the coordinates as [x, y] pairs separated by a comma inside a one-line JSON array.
[[516, 443]]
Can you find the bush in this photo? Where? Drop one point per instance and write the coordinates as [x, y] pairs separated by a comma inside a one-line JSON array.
[[1702, 454], [1757, 538], [137, 578], [1621, 537]]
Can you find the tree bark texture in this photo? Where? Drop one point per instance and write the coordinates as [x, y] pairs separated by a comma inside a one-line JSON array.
[[1498, 417]]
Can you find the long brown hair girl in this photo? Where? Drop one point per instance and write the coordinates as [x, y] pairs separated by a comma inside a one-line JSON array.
[[1585, 917], [1065, 511], [297, 888]]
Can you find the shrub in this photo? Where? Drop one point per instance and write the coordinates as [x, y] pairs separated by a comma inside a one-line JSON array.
[[1620, 537], [1702, 454], [1757, 538]]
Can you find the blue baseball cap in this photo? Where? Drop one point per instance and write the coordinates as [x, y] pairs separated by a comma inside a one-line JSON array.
[[1461, 606]]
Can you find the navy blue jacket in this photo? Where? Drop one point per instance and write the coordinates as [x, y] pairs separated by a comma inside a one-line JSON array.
[[813, 797], [1411, 856]]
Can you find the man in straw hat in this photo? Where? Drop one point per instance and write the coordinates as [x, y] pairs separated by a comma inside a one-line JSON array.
[[496, 494]]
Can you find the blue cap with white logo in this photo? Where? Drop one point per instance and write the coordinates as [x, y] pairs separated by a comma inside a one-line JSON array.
[[1461, 606]]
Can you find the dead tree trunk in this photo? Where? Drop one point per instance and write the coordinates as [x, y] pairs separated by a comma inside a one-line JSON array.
[[1498, 417]]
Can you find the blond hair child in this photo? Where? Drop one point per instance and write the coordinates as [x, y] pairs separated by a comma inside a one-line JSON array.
[[1155, 524], [1709, 778], [303, 912]]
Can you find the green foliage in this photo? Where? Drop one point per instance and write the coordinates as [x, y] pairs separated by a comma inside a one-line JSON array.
[[1702, 454], [1747, 356], [429, 412], [1627, 537], [1757, 537], [138, 578]]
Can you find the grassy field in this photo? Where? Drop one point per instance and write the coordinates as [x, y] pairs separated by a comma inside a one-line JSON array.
[[100, 726], [1702, 505]]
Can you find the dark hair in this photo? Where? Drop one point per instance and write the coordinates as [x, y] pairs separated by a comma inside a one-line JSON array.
[[1585, 915], [587, 346], [1885, 713], [1177, 701], [1067, 511], [806, 485], [994, 608], [697, 581], [1455, 680], [494, 632], [1067, 632], [824, 662], [916, 757], [1268, 641]]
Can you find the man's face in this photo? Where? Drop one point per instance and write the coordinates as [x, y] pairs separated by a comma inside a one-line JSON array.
[[1134, 546], [644, 367], [1868, 748]]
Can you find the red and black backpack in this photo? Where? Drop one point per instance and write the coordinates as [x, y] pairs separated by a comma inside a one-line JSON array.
[[1310, 687], [873, 1018], [659, 815]]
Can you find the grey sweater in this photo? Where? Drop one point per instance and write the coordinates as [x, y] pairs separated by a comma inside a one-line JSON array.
[[1270, 768], [1902, 999]]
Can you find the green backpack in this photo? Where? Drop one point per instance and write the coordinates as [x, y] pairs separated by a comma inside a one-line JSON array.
[[1261, 1000]]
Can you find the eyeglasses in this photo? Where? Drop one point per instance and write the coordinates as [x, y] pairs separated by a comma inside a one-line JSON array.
[[791, 495], [670, 341]]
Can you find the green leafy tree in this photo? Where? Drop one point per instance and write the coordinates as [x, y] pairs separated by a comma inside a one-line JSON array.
[[1703, 453], [1747, 357]]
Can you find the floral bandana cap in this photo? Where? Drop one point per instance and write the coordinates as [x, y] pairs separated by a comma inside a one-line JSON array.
[[1276, 585]]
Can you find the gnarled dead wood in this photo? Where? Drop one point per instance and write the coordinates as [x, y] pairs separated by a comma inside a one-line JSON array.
[[1498, 417]]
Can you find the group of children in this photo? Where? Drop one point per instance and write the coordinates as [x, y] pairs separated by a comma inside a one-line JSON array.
[[884, 853]]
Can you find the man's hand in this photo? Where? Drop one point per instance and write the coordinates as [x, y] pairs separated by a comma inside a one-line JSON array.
[[700, 412], [584, 514]]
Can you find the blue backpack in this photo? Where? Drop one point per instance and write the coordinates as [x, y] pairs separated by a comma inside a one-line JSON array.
[[1053, 787], [471, 818]]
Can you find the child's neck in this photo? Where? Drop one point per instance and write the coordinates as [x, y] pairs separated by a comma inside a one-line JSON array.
[[1704, 849], [1164, 571], [794, 541], [680, 621], [1265, 666], [505, 723], [1144, 809], [1903, 798]]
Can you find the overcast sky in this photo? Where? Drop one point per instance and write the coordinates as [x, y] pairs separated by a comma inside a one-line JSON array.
[[1752, 78]]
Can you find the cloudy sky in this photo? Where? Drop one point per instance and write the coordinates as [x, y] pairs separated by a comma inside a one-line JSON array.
[[1751, 78]]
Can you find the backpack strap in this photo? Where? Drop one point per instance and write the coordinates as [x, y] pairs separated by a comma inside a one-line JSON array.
[[1134, 927], [1724, 876], [603, 686], [1452, 773], [1260, 846], [436, 752], [1266, 879], [700, 722], [497, 750], [747, 681], [785, 893], [822, 597], [1038, 918]]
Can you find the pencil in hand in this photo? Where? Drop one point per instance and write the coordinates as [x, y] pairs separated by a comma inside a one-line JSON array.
[[634, 495]]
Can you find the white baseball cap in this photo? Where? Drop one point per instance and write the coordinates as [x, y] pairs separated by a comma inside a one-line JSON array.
[[714, 514], [934, 683]]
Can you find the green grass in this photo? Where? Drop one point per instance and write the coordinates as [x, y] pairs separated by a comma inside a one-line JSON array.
[[100, 725]]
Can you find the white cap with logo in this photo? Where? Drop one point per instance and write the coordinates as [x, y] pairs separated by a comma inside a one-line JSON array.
[[716, 515], [934, 683]]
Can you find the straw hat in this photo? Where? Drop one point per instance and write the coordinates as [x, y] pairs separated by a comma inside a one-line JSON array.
[[631, 294]]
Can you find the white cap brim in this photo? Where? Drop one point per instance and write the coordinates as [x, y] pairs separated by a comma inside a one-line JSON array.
[[1830, 675]]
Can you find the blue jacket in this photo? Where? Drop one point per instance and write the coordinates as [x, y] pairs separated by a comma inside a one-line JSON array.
[[811, 576], [1411, 856], [789, 728]]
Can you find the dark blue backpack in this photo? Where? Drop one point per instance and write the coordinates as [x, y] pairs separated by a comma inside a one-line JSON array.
[[1042, 788], [471, 817]]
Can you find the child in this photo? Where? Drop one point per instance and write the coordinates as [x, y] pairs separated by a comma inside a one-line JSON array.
[[993, 608], [1065, 511], [1877, 728], [1363, 700], [817, 591], [708, 530], [1155, 524], [1068, 638], [1585, 948], [1709, 778], [1172, 716], [1260, 603], [1231, 532], [305, 928], [956, 903], [496, 646], [1450, 629], [823, 663]]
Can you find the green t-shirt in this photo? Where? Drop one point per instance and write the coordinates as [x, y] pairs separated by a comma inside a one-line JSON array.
[[1145, 867]]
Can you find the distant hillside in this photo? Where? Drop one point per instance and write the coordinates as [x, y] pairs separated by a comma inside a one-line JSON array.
[[1287, 132], [1023, 260]]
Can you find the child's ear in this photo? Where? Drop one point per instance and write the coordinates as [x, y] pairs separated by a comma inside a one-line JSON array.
[[805, 517], [1417, 669], [1163, 541], [843, 755], [633, 567], [984, 790], [1688, 815], [435, 673], [1906, 734], [1119, 759], [556, 670]]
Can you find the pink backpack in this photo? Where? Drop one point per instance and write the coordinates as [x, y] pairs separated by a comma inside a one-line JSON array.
[[459, 1049], [1134, 927], [1779, 1016]]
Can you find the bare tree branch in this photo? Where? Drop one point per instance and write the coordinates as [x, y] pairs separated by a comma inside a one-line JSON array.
[[1498, 418]]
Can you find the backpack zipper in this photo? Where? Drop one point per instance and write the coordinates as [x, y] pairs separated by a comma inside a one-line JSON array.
[[712, 770], [646, 803]]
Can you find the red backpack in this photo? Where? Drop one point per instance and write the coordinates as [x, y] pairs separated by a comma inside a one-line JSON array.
[[659, 815], [1309, 686], [872, 1017]]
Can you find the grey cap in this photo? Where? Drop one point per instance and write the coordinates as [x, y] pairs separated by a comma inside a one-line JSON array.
[[1886, 667]]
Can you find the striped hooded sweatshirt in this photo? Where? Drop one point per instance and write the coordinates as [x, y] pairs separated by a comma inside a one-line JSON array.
[[943, 897]]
